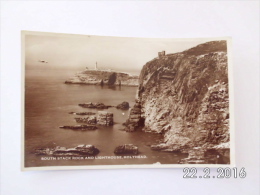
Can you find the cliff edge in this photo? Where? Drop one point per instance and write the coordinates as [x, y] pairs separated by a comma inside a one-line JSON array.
[[185, 97]]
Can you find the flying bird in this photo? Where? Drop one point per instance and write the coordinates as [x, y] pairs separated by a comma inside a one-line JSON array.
[[43, 61]]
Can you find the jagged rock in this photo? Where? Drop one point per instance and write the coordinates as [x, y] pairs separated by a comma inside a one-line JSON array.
[[196, 156], [126, 149], [134, 121], [179, 145], [82, 113], [202, 155], [94, 105], [80, 150], [198, 153], [223, 149], [123, 106], [159, 147], [89, 120], [105, 118], [79, 127]]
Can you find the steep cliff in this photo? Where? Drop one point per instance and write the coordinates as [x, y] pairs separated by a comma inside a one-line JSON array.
[[185, 97]]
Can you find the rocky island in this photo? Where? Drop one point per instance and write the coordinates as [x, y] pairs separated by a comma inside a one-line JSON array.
[[103, 77], [79, 127], [185, 97], [83, 113], [126, 149], [97, 105], [80, 150], [103, 118]]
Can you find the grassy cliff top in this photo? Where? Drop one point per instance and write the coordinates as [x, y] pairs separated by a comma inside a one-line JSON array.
[[212, 46]]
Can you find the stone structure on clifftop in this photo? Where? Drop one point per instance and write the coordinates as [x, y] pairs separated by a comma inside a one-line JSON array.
[[161, 54]]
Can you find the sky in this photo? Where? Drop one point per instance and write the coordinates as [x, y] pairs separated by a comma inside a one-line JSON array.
[[63, 51]]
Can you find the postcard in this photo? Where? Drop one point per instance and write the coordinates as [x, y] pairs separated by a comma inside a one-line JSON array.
[[100, 102]]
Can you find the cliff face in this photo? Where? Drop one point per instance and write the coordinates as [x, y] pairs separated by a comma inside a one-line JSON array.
[[96, 77], [185, 97]]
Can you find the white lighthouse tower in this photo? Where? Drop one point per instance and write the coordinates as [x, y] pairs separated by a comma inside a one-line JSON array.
[[96, 68]]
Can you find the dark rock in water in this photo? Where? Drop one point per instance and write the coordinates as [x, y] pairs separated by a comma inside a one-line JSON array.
[[89, 120], [94, 105], [83, 113], [123, 106], [43, 151], [80, 127], [112, 79], [105, 118], [80, 150], [126, 149], [134, 121]]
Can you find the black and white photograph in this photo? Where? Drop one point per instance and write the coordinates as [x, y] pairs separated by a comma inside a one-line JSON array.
[[99, 102]]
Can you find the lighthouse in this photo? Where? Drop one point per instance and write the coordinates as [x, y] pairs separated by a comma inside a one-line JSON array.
[[96, 66]]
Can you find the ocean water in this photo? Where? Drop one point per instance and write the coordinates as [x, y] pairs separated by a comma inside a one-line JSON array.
[[47, 104]]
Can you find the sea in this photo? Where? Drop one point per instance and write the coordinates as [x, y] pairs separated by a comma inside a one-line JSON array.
[[48, 101]]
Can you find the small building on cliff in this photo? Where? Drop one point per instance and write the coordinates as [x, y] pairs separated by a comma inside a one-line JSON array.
[[161, 54]]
